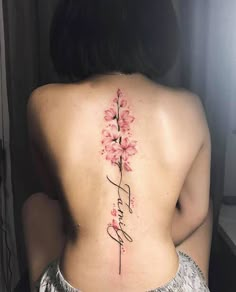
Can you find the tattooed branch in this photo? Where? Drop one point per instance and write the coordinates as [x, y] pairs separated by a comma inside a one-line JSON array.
[[118, 148]]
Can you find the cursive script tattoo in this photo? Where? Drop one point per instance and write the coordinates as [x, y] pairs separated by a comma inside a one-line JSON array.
[[118, 148]]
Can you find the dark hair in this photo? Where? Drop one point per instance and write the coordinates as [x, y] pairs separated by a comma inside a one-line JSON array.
[[100, 36]]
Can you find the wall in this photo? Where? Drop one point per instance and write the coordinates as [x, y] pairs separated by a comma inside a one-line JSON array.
[[229, 54], [205, 69], [220, 80], [9, 273]]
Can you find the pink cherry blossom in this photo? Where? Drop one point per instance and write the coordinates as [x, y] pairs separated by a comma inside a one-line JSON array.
[[113, 212], [110, 135], [115, 224], [127, 166], [125, 149], [125, 120], [128, 148], [110, 114], [112, 154], [123, 103], [116, 140]]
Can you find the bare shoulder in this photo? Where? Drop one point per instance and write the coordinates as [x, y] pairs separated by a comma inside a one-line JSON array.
[[195, 113], [42, 102], [47, 98], [44, 96], [182, 102], [181, 125], [185, 110]]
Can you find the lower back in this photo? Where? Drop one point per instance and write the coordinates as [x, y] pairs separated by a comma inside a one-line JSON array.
[[93, 264]]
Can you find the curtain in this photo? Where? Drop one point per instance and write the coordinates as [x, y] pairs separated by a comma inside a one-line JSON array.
[[9, 273], [28, 66]]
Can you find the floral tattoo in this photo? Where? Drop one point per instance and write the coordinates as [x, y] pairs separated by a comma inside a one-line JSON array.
[[118, 147]]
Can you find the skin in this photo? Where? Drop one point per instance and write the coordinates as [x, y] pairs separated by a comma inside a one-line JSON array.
[[173, 160]]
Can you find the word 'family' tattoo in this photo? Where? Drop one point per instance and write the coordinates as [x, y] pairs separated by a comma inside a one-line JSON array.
[[118, 147]]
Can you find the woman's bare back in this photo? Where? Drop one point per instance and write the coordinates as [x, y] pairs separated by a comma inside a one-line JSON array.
[[121, 151]]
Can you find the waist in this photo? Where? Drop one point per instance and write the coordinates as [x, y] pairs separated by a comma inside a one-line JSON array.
[[145, 263]]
